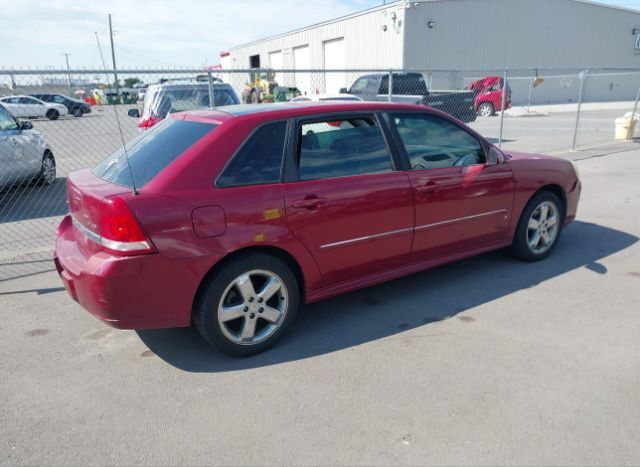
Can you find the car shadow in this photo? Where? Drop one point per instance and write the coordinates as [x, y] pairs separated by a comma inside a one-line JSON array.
[[399, 305], [28, 202]]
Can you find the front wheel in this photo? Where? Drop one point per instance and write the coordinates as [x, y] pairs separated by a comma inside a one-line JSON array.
[[486, 109], [53, 114], [77, 112], [47, 171], [246, 306], [539, 227]]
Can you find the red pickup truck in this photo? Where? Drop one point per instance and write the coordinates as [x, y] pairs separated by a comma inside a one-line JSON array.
[[489, 95]]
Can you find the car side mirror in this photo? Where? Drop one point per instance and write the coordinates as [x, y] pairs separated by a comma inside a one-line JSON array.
[[495, 156], [344, 91], [25, 125], [133, 113]]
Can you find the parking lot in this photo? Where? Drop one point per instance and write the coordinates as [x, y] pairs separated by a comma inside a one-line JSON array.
[[486, 361]]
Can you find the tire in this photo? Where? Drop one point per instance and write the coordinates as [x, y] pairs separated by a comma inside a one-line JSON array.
[[77, 112], [47, 173], [53, 114], [247, 330], [525, 246], [486, 110]]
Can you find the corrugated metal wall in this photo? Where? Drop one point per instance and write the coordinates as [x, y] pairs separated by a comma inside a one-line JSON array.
[[548, 35], [372, 39], [474, 34]]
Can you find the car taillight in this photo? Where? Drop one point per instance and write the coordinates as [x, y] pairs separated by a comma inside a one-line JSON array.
[[120, 231]]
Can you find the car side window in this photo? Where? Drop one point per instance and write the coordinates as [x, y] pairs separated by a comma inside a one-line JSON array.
[[360, 85], [432, 142], [259, 159], [341, 147], [28, 100], [7, 122], [57, 99]]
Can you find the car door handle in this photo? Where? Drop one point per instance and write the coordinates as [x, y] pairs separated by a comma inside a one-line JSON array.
[[307, 203], [428, 188]]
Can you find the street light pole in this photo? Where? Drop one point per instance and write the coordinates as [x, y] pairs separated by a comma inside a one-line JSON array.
[[113, 57], [66, 56]]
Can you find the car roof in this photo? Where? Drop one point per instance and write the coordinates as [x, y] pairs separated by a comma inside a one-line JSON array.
[[19, 95], [290, 110], [185, 85]]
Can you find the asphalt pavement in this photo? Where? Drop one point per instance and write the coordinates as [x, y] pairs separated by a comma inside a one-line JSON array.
[[488, 361]]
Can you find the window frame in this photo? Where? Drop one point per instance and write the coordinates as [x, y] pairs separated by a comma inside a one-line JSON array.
[[291, 173], [406, 161], [285, 146]]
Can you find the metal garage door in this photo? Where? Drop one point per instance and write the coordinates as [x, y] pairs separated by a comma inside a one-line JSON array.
[[275, 60], [302, 61], [334, 59]]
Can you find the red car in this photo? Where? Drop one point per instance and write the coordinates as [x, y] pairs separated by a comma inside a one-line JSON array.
[[489, 95], [232, 219]]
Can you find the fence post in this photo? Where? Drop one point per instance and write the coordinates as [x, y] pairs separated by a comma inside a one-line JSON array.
[[583, 78], [504, 101], [390, 86], [211, 99], [633, 115]]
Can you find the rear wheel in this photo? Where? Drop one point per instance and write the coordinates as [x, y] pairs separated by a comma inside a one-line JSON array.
[[77, 112], [246, 306], [48, 170], [539, 227], [486, 109], [53, 114]]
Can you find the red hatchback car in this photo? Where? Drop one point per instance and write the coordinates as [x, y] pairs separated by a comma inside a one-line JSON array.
[[232, 218]]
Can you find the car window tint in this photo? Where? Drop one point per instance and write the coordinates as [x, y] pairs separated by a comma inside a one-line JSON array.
[[151, 152], [340, 148], [259, 160], [432, 142], [7, 122]]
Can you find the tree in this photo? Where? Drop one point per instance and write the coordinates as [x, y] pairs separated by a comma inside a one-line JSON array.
[[129, 82]]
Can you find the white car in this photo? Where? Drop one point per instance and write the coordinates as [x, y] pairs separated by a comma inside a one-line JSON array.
[[30, 107], [24, 154], [326, 97]]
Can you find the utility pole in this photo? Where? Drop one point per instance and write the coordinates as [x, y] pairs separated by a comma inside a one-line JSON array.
[[113, 57], [66, 56]]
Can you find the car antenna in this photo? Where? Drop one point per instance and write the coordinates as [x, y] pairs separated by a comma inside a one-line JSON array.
[[115, 111]]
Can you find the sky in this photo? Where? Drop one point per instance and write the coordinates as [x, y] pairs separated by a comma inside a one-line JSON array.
[[154, 33]]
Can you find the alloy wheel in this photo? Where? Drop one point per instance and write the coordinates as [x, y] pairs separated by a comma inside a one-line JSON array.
[[253, 307], [543, 226], [485, 110], [48, 171]]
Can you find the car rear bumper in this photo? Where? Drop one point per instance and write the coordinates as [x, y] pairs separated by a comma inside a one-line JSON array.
[[126, 292]]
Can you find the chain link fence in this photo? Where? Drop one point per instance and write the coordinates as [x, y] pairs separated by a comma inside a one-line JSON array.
[[81, 116]]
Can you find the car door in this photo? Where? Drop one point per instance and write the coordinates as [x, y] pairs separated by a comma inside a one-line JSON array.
[[462, 201], [10, 148], [344, 201], [32, 107], [11, 104]]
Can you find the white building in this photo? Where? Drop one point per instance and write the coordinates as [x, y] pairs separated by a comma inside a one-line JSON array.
[[455, 41]]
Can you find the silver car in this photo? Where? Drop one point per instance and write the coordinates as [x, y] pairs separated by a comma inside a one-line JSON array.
[[24, 154]]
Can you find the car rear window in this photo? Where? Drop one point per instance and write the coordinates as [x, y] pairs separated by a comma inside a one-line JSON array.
[[151, 152]]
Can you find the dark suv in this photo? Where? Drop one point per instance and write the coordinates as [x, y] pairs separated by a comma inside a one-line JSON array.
[[76, 107]]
